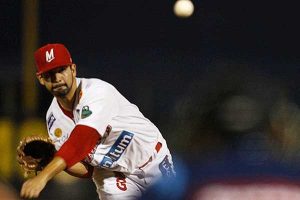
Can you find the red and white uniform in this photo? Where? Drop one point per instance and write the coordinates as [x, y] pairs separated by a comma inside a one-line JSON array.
[[131, 154]]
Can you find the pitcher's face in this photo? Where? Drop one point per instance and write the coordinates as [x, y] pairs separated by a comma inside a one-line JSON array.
[[59, 81]]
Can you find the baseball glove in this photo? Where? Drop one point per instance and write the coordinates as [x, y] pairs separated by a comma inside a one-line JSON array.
[[34, 153]]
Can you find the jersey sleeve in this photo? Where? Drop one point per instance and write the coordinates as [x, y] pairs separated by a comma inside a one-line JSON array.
[[81, 141], [99, 105]]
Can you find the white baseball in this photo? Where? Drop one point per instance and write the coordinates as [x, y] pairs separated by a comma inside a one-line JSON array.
[[183, 8]]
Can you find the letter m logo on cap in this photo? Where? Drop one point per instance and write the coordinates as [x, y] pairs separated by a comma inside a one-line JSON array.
[[50, 55]]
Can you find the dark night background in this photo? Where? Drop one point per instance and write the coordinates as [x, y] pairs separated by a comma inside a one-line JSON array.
[[124, 41], [153, 57]]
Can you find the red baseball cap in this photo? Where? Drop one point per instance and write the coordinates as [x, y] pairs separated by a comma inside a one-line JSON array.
[[51, 56]]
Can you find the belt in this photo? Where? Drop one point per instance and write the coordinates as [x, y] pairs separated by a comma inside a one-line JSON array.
[[157, 148]]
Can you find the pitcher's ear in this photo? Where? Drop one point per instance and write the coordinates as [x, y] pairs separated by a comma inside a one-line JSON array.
[[41, 80], [73, 68]]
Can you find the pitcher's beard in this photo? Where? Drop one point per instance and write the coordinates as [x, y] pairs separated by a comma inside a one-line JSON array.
[[61, 93]]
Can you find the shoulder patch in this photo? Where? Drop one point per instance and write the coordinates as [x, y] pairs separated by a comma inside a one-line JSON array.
[[50, 121]]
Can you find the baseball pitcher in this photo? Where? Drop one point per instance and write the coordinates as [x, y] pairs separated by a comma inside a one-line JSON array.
[[97, 133]]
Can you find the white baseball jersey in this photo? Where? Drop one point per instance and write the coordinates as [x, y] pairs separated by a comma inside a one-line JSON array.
[[128, 138]]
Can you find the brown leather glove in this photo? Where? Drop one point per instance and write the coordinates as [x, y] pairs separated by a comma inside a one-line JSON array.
[[34, 153]]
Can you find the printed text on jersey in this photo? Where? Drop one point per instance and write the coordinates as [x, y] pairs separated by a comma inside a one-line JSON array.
[[117, 149]]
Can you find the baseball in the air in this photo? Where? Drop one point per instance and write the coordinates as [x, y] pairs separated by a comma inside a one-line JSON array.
[[183, 8]]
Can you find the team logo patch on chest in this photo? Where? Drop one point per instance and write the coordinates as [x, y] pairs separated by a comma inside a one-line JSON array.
[[117, 149], [85, 112]]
